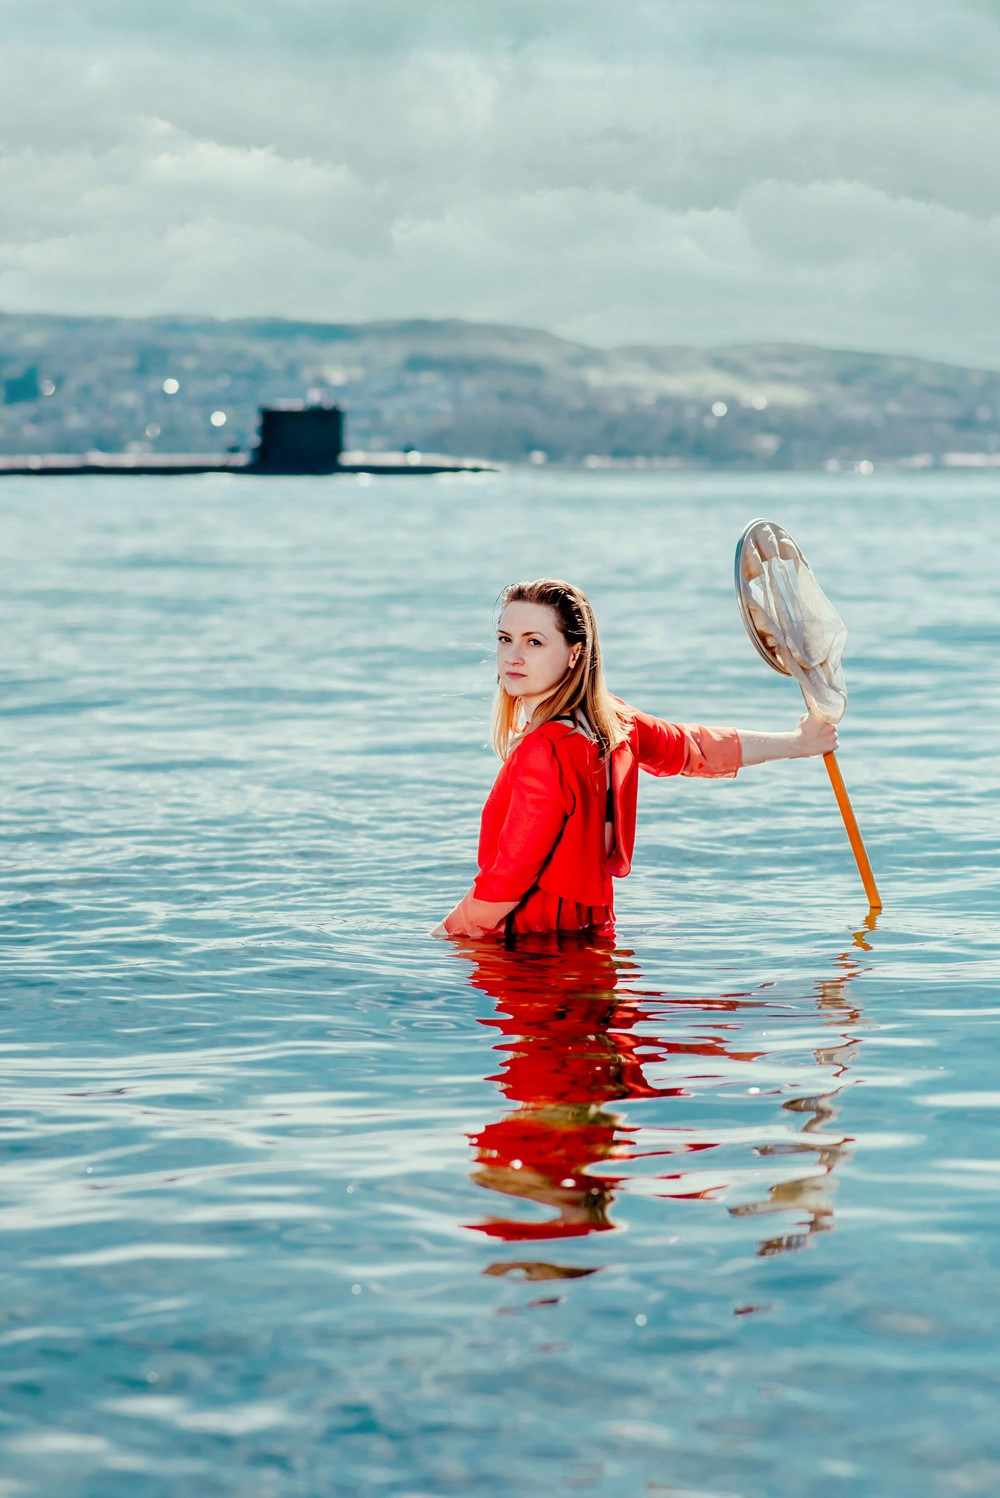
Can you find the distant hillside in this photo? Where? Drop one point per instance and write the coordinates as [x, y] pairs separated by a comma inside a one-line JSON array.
[[70, 384]]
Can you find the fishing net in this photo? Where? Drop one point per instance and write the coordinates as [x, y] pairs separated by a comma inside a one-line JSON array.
[[789, 618], [797, 630]]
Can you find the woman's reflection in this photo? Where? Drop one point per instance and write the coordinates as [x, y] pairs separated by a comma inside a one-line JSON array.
[[567, 1054], [576, 1039]]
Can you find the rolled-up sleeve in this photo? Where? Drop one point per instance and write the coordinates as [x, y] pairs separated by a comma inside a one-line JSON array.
[[536, 814], [471, 914], [687, 749]]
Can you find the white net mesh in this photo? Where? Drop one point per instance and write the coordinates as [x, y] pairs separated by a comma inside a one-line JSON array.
[[795, 622]]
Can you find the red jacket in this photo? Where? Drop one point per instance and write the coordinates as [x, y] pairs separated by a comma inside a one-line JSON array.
[[543, 822]]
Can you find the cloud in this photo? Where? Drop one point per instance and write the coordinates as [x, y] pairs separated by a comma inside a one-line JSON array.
[[703, 171]]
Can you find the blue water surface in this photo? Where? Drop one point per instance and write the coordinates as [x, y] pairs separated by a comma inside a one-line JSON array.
[[298, 1202]]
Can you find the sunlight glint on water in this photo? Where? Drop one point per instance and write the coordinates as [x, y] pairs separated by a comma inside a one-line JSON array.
[[295, 1200]]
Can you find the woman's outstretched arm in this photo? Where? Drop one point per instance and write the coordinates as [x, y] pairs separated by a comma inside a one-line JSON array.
[[715, 753], [810, 736]]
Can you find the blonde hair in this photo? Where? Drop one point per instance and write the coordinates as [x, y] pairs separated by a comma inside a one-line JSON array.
[[583, 685]]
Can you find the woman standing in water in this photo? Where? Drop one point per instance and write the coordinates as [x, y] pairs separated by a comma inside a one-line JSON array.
[[559, 822]]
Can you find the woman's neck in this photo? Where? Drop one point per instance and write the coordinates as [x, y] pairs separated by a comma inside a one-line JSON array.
[[530, 706]]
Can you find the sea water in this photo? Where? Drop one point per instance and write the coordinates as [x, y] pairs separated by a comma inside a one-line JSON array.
[[296, 1201]]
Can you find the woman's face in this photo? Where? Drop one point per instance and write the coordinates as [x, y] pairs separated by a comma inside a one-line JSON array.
[[533, 655]]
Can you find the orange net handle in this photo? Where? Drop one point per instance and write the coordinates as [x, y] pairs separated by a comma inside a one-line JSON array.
[[853, 831]]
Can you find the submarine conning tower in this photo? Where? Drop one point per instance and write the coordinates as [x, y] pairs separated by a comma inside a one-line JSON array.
[[296, 438]]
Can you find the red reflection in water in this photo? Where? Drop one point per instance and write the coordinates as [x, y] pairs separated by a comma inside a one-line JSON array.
[[568, 1013]]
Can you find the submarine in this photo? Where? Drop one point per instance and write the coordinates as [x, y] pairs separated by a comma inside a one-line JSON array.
[[294, 438]]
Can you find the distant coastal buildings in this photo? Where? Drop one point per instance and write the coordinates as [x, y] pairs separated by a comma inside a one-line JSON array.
[[293, 438]]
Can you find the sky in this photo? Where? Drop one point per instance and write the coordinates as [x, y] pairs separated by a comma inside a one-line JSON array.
[[703, 172]]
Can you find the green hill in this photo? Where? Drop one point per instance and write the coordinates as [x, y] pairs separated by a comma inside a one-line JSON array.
[[72, 383]]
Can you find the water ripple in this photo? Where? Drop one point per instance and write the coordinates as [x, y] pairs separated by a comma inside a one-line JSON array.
[[297, 1201]]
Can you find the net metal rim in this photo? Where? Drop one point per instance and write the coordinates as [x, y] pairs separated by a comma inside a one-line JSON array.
[[741, 592]]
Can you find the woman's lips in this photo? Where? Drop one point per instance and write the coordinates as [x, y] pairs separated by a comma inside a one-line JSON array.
[[517, 675]]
